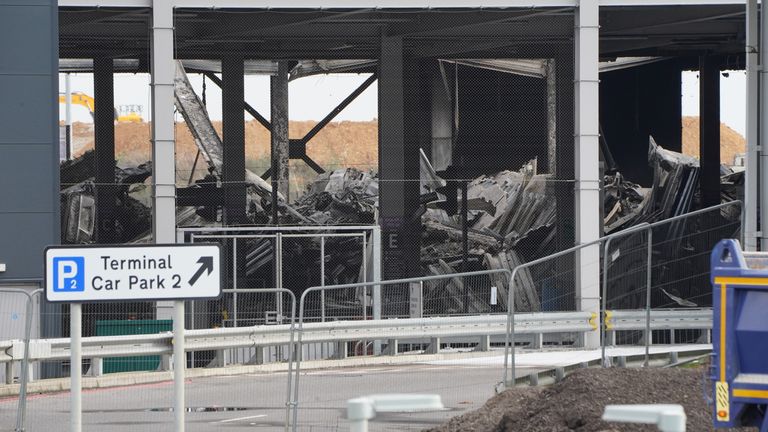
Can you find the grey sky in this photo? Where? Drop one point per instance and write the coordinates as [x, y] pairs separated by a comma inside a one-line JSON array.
[[733, 103], [312, 97]]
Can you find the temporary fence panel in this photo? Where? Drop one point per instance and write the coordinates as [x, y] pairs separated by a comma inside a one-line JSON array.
[[18, 311], [248, 392], [678, 261], [295, 257], [312, 404]]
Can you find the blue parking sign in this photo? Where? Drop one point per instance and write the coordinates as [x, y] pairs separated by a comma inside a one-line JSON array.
[[68, 274]]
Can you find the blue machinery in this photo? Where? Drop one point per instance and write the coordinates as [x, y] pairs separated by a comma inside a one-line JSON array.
[[740, 336]]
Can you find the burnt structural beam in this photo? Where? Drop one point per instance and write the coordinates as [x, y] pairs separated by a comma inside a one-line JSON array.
[[248, 108], [279, 137], [298, 147], [233, 139], [709, 129], [104, 136], [398, 164]]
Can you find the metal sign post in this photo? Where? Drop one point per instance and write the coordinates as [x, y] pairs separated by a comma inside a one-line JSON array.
[[76, 367], [83, 274]]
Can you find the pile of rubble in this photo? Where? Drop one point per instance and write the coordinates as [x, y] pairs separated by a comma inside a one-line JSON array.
[[511, 214], [341, 197], [510, 220]]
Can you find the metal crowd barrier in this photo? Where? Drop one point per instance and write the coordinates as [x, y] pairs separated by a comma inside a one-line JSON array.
[[21, 411], [648, 228]]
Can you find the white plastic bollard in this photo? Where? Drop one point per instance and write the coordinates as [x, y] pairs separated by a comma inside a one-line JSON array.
[[668, 418], [360, 410]]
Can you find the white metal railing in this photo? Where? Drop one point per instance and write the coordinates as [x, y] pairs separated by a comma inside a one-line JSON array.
[[271, 335], [340, 331]]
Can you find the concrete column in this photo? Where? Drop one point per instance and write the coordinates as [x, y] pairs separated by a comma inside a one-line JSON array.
[[752, 164], [233, 137], [104, 136], [709, 130], [762, 127], [587, 169], [279, 121], [399, 86], [163, 133]]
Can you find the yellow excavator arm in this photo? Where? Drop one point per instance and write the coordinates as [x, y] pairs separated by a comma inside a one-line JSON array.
[[80, 98]]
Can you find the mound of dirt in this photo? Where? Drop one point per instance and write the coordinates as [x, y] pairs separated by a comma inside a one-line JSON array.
[[731, 142], [576, 404]]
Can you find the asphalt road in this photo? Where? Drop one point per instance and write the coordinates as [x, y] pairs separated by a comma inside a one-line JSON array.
[[257, 401]]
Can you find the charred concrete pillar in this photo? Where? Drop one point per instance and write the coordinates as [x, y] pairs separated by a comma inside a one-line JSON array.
[[398, 166], [104, 137], [709, 130], [233, 132], [233, 166], [279, 134]]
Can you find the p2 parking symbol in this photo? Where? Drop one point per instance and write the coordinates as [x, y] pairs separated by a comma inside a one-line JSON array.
[[68, 274]]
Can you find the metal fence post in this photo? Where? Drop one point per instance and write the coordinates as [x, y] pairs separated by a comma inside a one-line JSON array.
[[376, 263], [22, 408], [234, 281], [75, 367], [510, 337], [649, 272], [179, 366], [279, 277], [604, 311], [322, 278]]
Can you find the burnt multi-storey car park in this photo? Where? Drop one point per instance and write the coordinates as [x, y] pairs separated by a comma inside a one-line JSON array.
[[577, 86]]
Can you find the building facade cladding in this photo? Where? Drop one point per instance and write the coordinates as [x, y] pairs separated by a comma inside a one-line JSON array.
[[29, 144]]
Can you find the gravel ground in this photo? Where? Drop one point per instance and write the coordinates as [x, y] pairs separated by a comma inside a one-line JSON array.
[[576, 404]]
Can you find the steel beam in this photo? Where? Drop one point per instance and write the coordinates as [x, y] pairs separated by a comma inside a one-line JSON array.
[[248, 108], [279, 136], [709, 129], [68, 115], [383, 4], [398, 160], [104, 137], [339, 108], [233, 131], [551, 116], [587, 137]]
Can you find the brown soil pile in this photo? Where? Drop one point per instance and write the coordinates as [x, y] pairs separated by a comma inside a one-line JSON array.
[[576, 404], [338, 145], [731, 142]]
